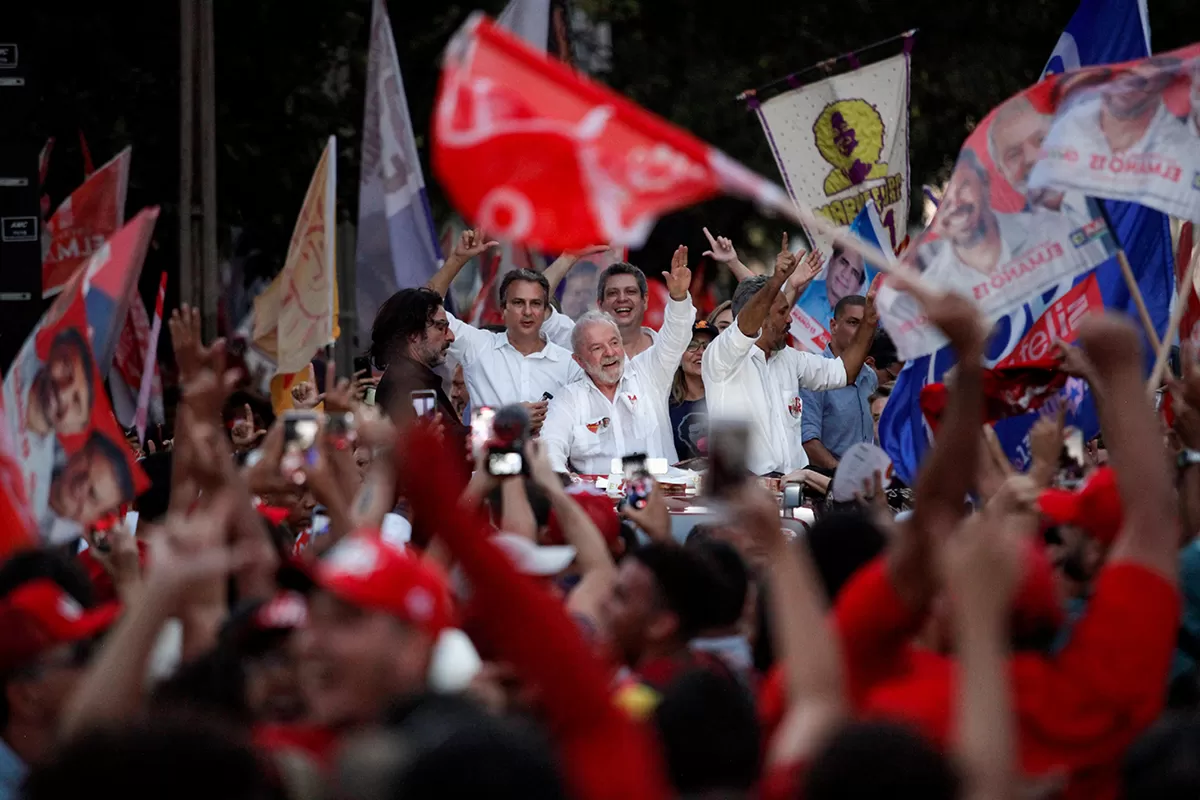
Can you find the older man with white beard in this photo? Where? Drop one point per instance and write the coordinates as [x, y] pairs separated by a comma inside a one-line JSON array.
[[620, 407]]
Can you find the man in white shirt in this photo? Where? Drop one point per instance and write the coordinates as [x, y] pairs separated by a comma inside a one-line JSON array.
[[620, 408], [519, 365], [751, 374]]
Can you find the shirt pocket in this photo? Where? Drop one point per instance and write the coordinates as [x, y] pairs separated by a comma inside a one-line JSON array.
[[793, 409], [589, 439]]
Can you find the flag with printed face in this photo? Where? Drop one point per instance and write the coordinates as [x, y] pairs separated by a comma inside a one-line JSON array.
[[842, 141], [1127, 132], [83, 222], [845, 273], [75, 463], [1100, 32], [993, 239], [396, 246], [533, 152], [306, 320]]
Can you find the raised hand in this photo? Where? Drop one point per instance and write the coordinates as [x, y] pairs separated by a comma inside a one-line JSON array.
[[304, 395], [244, 433], [588, 250], [1073, 361], [341, 397], [785, 262], [809, 267], [1046, 438], [679, 279], [721, 249], [190, 351], [871, 312], [471, 243]]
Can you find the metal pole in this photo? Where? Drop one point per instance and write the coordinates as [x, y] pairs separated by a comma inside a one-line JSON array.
[[187, 98], [209, 280]]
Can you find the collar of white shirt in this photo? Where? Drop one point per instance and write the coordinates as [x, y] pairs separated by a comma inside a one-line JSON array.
[[550, 351]]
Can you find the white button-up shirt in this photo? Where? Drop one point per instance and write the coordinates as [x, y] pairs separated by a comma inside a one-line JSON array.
[[740, 382], [497, 374], [588, 430]]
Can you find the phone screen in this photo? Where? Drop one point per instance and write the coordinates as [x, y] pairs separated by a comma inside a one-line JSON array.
[[362, 364], [637, 480], [505, 464], [424, 402], [300, 430], [481, 429]]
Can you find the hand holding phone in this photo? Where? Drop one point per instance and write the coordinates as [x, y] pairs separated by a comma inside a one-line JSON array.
[[300, 429], [638, 483]]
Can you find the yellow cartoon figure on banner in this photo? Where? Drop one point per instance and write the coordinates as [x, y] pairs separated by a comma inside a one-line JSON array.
[[850, 136]]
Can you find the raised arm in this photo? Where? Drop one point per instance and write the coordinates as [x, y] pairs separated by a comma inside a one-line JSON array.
[[663, 357], [856, 354], [723, 253], [470, 244], [562, 265], [754, 313]]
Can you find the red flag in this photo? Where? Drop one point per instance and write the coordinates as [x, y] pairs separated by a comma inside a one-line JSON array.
[[533, 152], [83, 222], [88, 166], [1188, 328]]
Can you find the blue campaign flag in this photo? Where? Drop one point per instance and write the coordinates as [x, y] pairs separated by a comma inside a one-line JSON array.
[[397, 245], [1100, 32]]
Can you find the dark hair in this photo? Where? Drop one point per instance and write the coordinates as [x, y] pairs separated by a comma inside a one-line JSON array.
[[716, 312], [528, 276], [883, 350], [734, 578], [841, 543], [746, 289], [72, 338], [709, 732], [684, 582], [1162, 762], [407, 312], [846, 302], [539, 502], [879, 759], [436, 735], [882, 393], [621, 268], [114, 454], [169, 756], [152, 504]]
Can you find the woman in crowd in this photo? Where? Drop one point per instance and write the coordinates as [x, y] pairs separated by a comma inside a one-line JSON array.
[[689, 412]]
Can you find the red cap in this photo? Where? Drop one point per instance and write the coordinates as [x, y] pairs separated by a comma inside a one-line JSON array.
[[366, 571], [274, 515], [40, 615], [1095, 507], [1037, 604], [598, 506]]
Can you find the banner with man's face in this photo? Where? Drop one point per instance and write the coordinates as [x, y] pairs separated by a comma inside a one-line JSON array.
[[1128, 132], [74, 459], [994, 239]]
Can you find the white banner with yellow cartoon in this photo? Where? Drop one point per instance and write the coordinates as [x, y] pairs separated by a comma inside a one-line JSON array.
[[844, 140]]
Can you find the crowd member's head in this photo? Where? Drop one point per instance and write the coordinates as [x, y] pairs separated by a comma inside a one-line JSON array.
[[524, 301], [721, 316], [1015, 140], [299, 504], [1081, 525], [884, 359], [261, 636], [372, 628], [580, 290], [442, 746], [460, 398], [47, 629], [877, 759], [662, 597], [963, 218], [844, 274], [841, 544], [621, 293], [710, 735], [1138, 90], [150, 759], [847, 319], [1162, 763], [732, 586], [62, 390], [689, 366], [596, 341], [95, 480], [773, 337], [878, 403], [411, 324]]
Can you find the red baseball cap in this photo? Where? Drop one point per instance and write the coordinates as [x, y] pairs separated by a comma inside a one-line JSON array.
[[1095, 507], [1036, 605], [598, 506], [40, 615], [366, 571]]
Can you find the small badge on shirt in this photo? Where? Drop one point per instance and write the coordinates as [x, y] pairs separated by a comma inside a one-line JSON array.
[[632, 399], [600, 425], [795, 407]]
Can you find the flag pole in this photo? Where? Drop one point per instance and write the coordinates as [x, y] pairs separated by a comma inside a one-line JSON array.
[[331, 233], [1131, 282], [1185, 286]]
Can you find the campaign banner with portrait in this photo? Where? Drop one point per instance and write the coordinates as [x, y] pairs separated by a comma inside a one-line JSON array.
[[994, 239], [80, 225], [842, 141], [845, 273], [1127, 132], [75, 463]]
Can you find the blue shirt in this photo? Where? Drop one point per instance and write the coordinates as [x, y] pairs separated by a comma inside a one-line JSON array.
[[12, 773], [840, 418], [689, 426]]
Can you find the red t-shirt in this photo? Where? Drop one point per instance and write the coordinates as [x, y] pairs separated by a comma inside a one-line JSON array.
[[1078, 710], [316, 741]]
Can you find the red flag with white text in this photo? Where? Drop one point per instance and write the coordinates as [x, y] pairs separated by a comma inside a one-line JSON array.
[[83, 222], [533, 152]]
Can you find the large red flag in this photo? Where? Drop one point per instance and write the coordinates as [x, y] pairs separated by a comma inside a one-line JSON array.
[[83, 222], [534, 152]]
